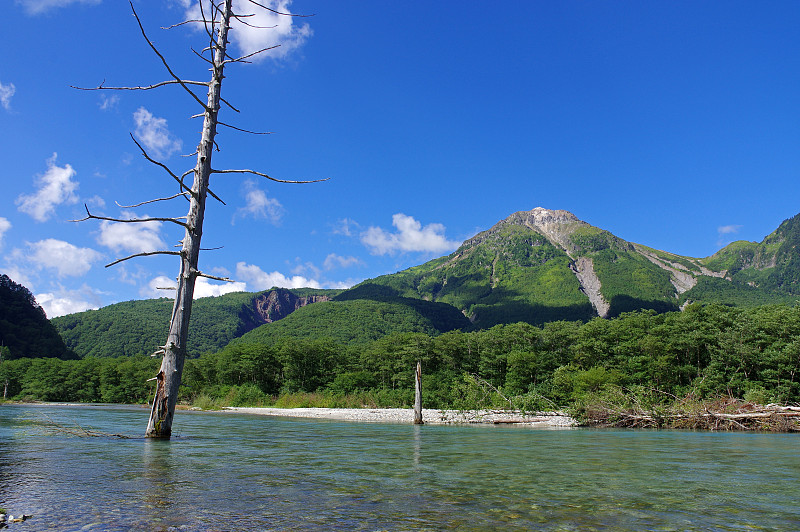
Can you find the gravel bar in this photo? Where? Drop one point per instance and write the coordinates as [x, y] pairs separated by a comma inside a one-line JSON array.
[[429, 416]]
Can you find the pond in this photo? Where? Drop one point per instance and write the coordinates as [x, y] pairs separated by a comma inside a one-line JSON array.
[[224, 471]]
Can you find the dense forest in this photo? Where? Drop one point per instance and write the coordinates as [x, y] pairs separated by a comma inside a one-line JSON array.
[[703, 351], [25, 330]]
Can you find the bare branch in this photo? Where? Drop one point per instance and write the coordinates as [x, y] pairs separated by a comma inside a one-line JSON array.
[[200, 55], [90, 216], [278, 12], [239, 18], [102, 87], [162, 165], [226, 102], [210, 192], [265, 175], [244, 130], [201, 274], [184, 194], [242, 59], [180, 81], [182, 23], [143, 254]]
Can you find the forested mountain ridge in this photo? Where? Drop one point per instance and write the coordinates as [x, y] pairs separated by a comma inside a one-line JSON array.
[[25, 331], [543, 265], [772, 264], [138, 327]]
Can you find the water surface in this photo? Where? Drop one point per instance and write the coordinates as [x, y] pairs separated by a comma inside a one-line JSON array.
[[244, 472]]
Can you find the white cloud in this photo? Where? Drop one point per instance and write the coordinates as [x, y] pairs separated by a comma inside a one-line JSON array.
[[64, 301], [410, 236], [153, 133], [336, 261], [203, 287], [55, 187], [66, 259], [108, 102], [258, 279], [345, 227], [36, 7], [305, 268], [258, 205], [724, 230], [728, 229], [131, 237], [6, 92], [264, 29], [161, 286], [5, 225]]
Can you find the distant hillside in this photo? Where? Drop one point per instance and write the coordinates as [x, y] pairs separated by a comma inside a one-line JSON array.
[[138, 327], [773, 264], [359, 321], [535, 266], [24, 328]]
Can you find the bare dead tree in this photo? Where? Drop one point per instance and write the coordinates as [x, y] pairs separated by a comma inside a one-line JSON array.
[[418, 395], [216, 19]]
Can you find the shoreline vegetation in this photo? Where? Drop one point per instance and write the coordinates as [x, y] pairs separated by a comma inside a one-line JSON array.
[[611, 411], [707, 367]]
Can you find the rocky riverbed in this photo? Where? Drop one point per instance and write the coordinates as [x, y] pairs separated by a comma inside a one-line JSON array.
[[429, 416]]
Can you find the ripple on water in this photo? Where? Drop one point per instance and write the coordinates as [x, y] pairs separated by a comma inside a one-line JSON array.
[[240, 472]]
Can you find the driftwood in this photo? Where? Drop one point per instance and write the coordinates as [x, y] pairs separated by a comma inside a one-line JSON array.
[[722, 414], [77, 430]]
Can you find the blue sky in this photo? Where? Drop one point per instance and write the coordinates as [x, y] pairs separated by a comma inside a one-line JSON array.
[[673, 124]]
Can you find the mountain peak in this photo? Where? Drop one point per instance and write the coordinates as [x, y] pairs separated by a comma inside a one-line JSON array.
[[542, 216], [555, 225]]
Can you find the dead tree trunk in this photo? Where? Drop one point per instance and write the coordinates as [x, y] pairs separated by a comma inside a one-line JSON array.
[[168, 379], [418, 395], [216, 19]]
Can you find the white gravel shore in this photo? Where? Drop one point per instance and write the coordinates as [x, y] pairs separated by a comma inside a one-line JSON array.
[[406, 415]]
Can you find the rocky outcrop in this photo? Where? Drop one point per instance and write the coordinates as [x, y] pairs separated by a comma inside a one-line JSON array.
[[556, 225], [273, 305], [278, 303], [681, 278]]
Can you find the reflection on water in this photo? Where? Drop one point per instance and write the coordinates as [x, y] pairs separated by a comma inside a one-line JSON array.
[[238, 472]]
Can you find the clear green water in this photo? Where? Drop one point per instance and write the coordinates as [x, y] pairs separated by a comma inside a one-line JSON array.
[[239, 472]]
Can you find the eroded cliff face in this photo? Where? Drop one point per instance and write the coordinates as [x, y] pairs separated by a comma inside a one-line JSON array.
[[272, 306], [583, 268], [279, 303]]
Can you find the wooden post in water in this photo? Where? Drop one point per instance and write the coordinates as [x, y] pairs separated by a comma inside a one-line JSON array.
[[418, 395]]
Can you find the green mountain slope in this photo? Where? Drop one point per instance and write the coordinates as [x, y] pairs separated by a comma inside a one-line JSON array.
[[504, 275], [359, 321], [25, 331], [773, 264]]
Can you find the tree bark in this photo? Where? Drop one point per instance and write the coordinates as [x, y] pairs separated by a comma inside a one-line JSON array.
[[418, 395], [168, 380]]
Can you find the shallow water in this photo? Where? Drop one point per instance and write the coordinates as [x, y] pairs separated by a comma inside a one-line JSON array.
[[243, 472]]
